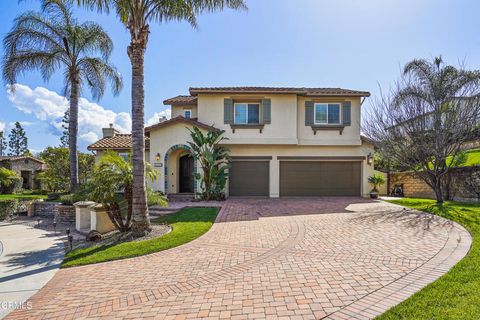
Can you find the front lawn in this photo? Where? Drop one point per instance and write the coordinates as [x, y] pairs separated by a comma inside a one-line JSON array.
[[187, 225], [20, 196], [456, 295]]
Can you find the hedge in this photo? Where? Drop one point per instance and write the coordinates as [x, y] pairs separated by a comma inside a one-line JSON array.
[[8, 208]]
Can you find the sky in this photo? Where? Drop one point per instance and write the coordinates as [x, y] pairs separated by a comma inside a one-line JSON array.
[[354, 44]]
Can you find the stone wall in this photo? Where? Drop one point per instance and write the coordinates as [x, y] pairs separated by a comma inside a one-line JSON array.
[[42, 209], [64, 214], [415, 187]]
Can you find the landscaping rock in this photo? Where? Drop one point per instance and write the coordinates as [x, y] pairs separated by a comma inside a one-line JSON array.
[[94, 235]]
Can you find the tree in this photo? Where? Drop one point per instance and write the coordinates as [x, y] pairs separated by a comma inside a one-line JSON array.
[[18, 141], [56, 176], [64, 139], [111, 175], [424, 121], [3, 144], [213, 159], [136, 15], [53, 40], [8, 179]]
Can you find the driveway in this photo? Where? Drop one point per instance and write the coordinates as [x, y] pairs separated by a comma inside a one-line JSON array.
[[334, 258], [29, 258]]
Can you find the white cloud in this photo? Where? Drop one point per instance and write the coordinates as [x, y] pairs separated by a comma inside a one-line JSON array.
[[50, 107], [2, 126], [157, 115]]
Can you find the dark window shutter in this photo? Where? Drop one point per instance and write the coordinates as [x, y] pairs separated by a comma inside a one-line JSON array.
[[228, 111], [267, 104], [309, 113], [347, 113]]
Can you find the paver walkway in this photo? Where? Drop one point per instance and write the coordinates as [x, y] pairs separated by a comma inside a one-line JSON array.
[[281, 259]]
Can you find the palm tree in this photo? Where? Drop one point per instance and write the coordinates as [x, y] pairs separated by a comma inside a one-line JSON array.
[[136, 16], [52, 40], [113, 173]]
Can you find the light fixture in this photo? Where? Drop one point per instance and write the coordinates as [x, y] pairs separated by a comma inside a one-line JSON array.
[[369, 159], [157, 157]]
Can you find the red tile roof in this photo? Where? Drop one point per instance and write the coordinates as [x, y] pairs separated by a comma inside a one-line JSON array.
[[120, 141], [327, 92], [181, 100], [15, 158], [180, 119]]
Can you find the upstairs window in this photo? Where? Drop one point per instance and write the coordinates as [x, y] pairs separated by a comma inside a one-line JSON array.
[[187, 114], [123, 155], [327, 113], [247, 113]]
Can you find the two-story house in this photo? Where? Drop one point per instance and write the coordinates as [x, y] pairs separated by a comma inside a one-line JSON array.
[[282, 141]]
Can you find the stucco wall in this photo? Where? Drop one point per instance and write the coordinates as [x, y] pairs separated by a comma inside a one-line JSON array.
[[178, 110], [350, 134], [282, 129]]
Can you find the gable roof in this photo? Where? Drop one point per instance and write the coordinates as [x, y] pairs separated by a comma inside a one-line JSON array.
[[15, 158], [324, 92], [180, 119], [120, 141]]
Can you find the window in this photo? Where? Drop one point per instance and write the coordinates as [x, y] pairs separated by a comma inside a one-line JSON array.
[[124, 155], [187, 114], [247, 113], [327, 113]]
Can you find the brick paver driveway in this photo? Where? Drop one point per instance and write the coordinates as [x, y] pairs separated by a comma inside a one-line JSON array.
[[289, 258]]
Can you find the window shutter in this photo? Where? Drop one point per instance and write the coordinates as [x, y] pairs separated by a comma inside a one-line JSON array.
[[228, 111], [309, 113], [266, 104], [347, 113]]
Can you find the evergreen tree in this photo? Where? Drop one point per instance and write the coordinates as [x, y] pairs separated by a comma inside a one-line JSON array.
[[18, 141], [64, 143], [3, 144]]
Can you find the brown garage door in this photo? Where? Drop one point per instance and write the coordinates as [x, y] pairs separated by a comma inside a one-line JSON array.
[[308, 178], [249, 178]]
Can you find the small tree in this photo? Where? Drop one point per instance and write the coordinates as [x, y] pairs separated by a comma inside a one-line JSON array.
[[426, 119], [18, 141], [3, 144], [111, 175], [213, 159], [8, 179]]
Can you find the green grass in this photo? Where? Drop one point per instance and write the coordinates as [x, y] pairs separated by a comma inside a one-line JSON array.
[[473, 158], [22, 196], [187, 225], [456, 295]]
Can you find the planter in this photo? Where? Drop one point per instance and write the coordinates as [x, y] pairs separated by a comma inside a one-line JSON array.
[[374, 195]]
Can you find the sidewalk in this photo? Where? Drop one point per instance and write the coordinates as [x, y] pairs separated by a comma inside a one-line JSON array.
[[29, 258]]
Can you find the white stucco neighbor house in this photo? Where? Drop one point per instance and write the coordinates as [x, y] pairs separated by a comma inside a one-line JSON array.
[[283, 141]]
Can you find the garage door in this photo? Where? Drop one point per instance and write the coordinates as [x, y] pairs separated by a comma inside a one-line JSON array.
[[308, 178], [249, 178]]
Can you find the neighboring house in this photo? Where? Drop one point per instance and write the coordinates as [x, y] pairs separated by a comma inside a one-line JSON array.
[[26, 167], [283, 141]]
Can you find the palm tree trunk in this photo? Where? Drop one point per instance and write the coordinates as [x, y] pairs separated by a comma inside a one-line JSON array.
[[72, 134], [140, 218]]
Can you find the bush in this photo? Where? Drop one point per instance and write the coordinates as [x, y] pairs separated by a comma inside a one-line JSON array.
[[70, 199], [155, 198], [8, 208], [8, 180]]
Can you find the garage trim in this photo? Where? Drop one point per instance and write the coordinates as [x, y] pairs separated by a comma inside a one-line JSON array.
[[324, 158]]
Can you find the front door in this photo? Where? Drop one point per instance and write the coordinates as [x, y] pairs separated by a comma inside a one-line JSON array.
[[186, 174]]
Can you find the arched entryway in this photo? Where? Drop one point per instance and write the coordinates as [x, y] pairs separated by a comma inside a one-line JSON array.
[[179, 168]]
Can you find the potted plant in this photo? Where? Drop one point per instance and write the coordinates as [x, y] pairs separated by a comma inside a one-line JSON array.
[[375, 180]]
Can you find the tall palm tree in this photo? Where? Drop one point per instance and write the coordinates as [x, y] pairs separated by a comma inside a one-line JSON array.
[[136, 16], [52, 40]]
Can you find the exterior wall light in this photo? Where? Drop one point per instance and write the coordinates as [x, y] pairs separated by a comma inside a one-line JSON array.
[[369, 159], [157, 157]]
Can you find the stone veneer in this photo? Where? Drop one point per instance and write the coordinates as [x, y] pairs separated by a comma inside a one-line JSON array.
[[41, 209], [64, 214]]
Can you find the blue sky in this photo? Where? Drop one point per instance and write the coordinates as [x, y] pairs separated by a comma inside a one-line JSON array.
[[357, 44]]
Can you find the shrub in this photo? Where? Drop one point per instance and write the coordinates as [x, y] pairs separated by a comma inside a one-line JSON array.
[[376, 180], [8, 179], [8, 208], [155, 198]]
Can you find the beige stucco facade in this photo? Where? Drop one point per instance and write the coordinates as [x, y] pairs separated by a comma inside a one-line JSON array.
[[285, 135]]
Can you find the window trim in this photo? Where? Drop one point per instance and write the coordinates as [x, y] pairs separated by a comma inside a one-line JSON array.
[[327, 123], [247, 123], [185, 111]]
